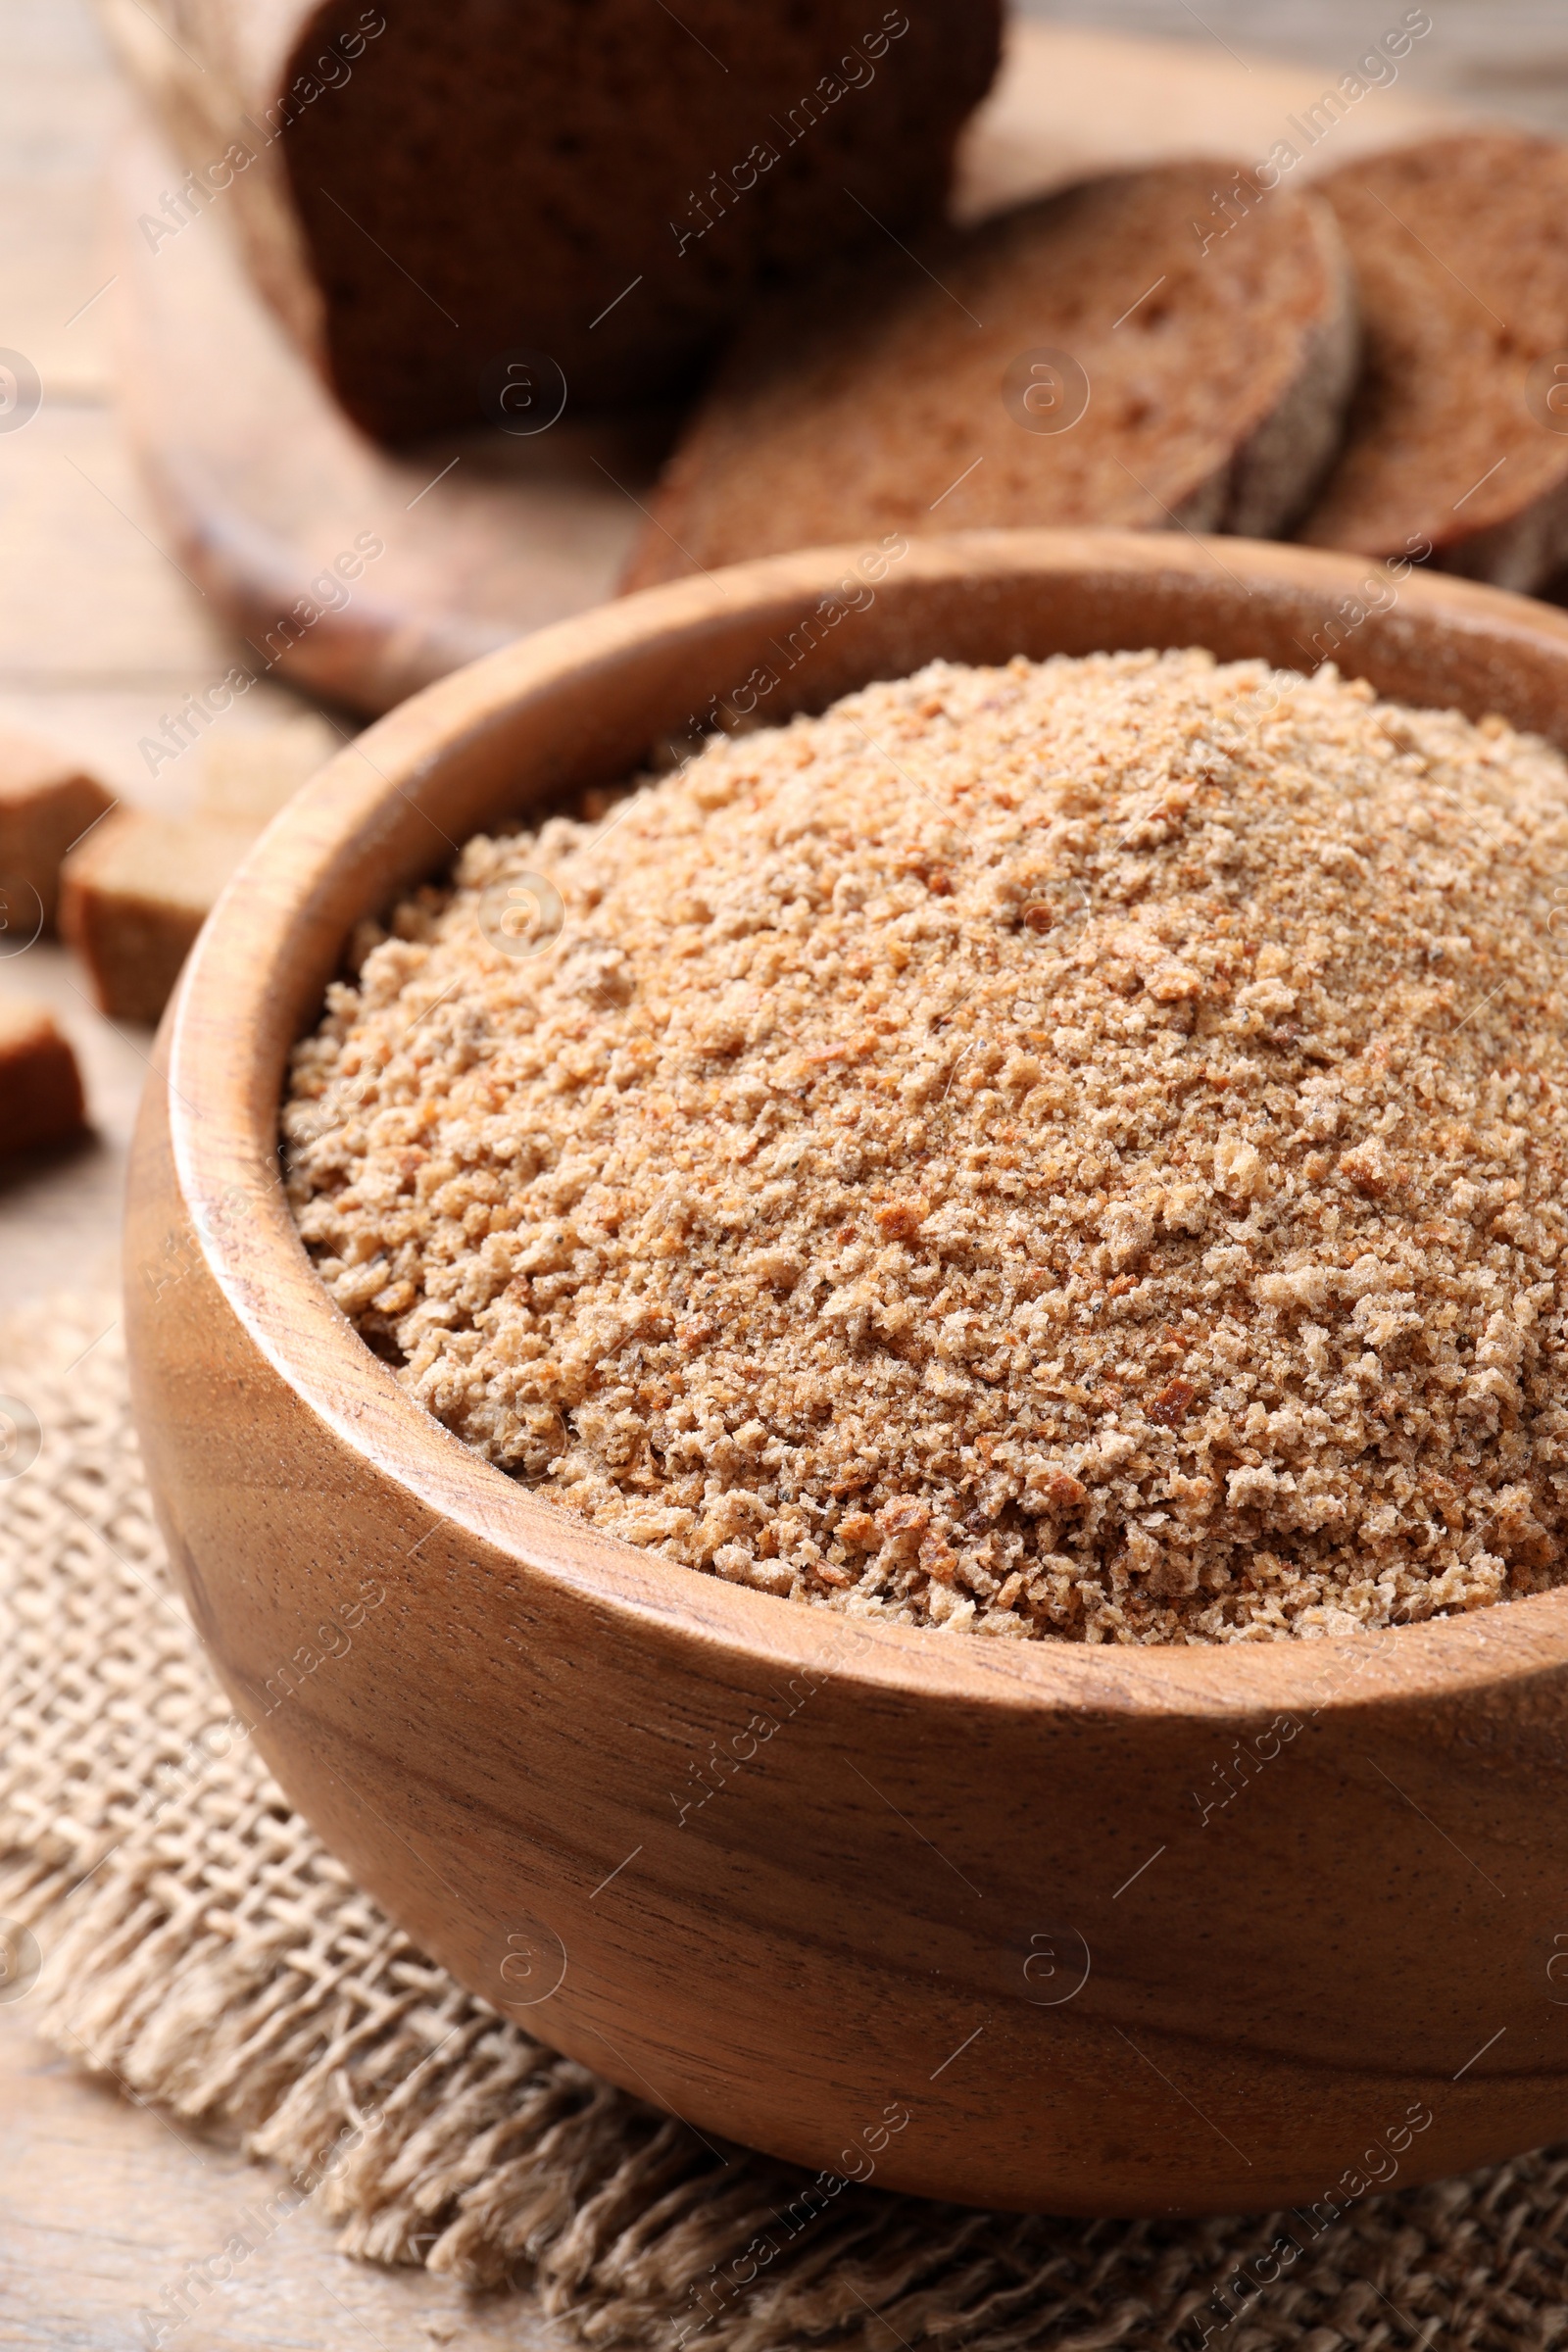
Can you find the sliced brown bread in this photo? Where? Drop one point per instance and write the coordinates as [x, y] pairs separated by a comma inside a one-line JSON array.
[[134, 896], [137, 890], [1087, 358], [1458, 433], [47, 802], [429, 191], [41, 1099]]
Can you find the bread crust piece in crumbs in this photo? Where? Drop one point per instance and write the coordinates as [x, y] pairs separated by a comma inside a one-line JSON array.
[[1070, 1150]]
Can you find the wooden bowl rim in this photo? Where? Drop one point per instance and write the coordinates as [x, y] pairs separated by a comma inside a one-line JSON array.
[[223, 1144]]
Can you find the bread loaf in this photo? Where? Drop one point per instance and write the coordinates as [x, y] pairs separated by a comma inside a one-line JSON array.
[[1458, 444], [1082, 359], [427, 192]]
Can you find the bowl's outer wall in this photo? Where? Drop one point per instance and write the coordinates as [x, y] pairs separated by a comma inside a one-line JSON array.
[[1084, 1931]]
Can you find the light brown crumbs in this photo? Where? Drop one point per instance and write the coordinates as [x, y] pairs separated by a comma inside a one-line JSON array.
[[1070, 1150]]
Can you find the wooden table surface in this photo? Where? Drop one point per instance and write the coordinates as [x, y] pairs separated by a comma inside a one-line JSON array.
[[102, 2204], [106, 2207]]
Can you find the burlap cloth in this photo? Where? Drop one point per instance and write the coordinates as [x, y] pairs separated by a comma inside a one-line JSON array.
[[197, 1945]]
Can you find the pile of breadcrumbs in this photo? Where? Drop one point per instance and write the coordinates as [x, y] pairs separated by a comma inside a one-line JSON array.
[[1068, 1149]]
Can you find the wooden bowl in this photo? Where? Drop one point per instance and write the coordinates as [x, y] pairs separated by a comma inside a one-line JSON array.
[[1101, 1930]]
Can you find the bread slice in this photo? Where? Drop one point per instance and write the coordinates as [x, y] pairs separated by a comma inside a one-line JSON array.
[[41, 1101], [1104, 356], [134, 898], [429, 192], [140, 887], [1457, 439], [47, 802]]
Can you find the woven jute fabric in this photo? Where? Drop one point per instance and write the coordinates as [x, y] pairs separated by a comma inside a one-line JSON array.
[[197, 1945]]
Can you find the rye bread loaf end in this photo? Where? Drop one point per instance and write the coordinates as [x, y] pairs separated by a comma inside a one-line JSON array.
[[1080, 361], [427, 192], [1459, 432]]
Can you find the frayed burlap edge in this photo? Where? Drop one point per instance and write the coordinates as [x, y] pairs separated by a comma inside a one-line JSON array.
[[200, 1947]]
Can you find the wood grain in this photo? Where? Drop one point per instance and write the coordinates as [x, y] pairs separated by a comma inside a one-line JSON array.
[[1510, 63], [115, 2219], [976, 1880], [1074, 99]]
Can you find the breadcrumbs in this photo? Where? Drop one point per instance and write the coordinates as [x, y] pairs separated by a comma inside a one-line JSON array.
[[1067, 1150]]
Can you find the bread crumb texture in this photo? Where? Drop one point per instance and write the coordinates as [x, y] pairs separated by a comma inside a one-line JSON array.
[[1072, 1150]]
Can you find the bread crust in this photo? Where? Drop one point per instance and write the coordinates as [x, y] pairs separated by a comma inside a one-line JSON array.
[[134, 896], [1289, 451], [879, 400], [1463, 284]]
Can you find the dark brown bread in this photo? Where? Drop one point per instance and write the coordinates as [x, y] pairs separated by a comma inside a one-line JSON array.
[[1458, 433], [429, 190], [40, 1086], [46, 804], [912, 394]]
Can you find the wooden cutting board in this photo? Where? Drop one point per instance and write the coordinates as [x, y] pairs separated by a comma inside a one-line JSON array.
[[263, 485]]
